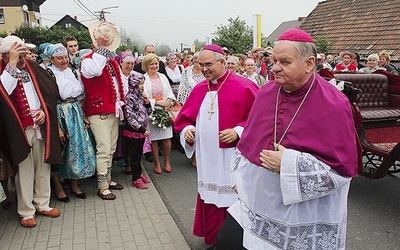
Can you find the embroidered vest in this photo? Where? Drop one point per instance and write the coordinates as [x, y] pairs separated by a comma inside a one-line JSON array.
[[100, 91], [18, 96]]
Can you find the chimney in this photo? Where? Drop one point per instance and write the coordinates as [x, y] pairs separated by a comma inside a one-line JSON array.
[[76, 18]]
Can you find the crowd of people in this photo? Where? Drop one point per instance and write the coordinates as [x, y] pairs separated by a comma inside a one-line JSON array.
[[246, 121], [348, 61]]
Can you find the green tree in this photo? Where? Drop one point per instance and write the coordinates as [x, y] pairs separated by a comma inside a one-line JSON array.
[[265, 43], [198, 45], [322, 44], [56, 34], [162, 49], [237, 36]]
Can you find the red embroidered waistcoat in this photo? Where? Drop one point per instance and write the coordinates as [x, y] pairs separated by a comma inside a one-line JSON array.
[[20, 101], [100, 91]]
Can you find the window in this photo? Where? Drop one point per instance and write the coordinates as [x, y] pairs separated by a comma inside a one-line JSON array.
[[2, 16], [67, 25]]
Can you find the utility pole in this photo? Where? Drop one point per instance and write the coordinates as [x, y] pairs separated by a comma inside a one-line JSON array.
[[102, 16]]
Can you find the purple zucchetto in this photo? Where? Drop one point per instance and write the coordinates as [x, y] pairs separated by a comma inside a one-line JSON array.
[[214, 47], [296, 35]]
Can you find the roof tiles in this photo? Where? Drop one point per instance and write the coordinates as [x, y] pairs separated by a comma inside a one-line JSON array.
[[362, 26]]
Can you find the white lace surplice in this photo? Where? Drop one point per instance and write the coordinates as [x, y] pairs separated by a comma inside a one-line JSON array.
[[303, 207], [213, 163]]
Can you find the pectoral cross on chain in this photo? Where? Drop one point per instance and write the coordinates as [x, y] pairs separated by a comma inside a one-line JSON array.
[[211, 111]]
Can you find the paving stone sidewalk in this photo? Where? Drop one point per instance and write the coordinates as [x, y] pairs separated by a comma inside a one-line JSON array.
[[136, 219]]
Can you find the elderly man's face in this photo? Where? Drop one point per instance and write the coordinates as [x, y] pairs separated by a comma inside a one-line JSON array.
[[290, 71], [210, 66], [21, 59]]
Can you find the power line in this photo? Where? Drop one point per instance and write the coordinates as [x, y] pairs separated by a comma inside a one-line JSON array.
[[89, 20], [85, 9], [49, 19], [97, 3], [163, 22]]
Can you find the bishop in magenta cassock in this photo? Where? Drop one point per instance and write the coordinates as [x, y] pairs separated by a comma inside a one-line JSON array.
[[295, 160], [211, 122]]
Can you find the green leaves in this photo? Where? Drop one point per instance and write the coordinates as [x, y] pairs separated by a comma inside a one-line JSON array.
[[160, 118], [56, 34], [237, 36]]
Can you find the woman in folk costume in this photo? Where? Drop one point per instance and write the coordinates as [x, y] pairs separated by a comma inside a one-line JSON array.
[[174, 72], [78, 152], [190, 77], [126, 63], [157, 87]]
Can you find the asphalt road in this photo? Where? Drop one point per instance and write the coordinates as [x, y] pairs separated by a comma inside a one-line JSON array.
[[373, 214]]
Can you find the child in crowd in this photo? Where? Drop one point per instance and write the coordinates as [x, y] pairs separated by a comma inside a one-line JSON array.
[[137, 111]]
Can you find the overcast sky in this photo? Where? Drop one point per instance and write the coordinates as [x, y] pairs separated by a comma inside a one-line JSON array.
[[173, 22]]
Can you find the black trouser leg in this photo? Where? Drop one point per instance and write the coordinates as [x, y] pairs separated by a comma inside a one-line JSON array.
[[230, 236], [135, 147]]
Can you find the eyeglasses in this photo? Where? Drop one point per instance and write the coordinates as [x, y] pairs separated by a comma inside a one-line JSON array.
[[208, 65], [72, 45]]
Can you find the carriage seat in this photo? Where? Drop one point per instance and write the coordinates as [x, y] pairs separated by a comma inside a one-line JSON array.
[[377, 105]]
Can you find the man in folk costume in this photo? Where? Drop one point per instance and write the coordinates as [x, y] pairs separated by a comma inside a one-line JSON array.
[[28, 128], [101, 77], [211, 122], [295, 160]]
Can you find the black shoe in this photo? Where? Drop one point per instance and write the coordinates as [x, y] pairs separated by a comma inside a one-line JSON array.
[[80, 196], [63, 199], [6, 204], [149, 157]]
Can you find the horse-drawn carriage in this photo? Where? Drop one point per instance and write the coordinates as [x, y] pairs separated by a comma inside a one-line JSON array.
[[375, 100]]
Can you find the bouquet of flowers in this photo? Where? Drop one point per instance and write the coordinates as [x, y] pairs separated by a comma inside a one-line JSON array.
[[160, 118]]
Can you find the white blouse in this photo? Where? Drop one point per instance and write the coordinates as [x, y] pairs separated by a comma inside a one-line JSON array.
[[68, 85], [174, 74]]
